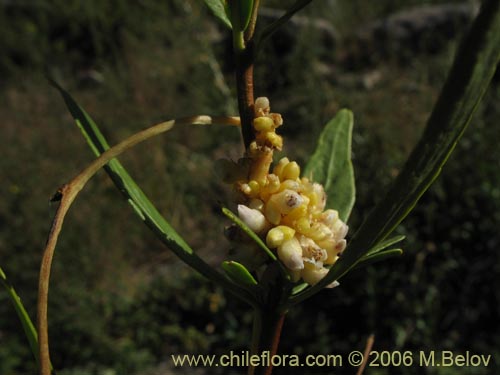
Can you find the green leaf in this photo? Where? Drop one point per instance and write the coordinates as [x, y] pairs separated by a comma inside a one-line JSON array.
[[142, 206], [238, 273], [331, 164], [299, 288], [218, 9], [140, 203], [470, 75], [473, 68], [28, 327], [384, 245]]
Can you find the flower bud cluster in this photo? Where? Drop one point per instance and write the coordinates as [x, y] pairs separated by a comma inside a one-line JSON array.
[[286, 210]]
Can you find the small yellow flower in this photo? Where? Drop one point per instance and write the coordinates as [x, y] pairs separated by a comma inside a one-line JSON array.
[[277, 235]]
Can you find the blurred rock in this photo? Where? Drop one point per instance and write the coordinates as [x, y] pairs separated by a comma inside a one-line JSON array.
[[423, 29], [286, 36]]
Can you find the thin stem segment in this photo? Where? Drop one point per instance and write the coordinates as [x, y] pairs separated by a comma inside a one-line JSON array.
[[244, 58], [268, 324]]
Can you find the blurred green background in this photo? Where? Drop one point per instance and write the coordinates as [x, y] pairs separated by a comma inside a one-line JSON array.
[[120, 303]]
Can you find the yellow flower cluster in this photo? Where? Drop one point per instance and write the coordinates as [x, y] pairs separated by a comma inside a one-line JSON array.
[[287, 210]]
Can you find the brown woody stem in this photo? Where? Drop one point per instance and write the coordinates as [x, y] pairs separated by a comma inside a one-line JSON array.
[[268, 320], [244, 55]]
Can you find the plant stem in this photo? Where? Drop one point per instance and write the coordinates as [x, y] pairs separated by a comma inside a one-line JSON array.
[[268, 321], [256, 333], [268, 324], [244, 86], [244, 57]]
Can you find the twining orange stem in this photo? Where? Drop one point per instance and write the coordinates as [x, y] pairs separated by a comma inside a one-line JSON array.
[[67, 194]]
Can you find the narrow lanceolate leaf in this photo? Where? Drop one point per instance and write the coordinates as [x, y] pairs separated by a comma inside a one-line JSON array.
[[473, 68], [331, 164], [28, 327], [218, 9], [119, 175], [384, 245], [299, 288], [238, 273], [140, 202]]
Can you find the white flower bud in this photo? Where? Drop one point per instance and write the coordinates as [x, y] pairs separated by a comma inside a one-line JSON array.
[[253, 218], [340, 229], [329, 217], [262, 106], [290, 253]]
